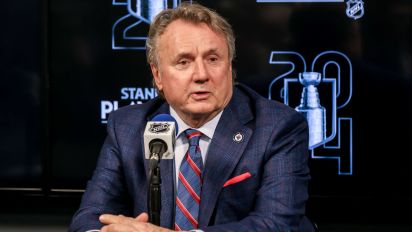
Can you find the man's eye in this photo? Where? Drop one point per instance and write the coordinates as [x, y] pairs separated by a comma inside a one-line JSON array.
[[183, 62], [213, 59]]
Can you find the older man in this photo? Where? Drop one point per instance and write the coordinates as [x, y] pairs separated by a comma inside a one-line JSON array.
[[240, 160]]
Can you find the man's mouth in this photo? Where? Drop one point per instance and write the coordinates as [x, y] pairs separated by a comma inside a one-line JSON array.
[[200, 95]]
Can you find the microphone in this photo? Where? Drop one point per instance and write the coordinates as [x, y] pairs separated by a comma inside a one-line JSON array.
[[159, 140], [159, 137]]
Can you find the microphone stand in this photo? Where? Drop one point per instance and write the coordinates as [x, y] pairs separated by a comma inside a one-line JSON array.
[[154, 196], [158, 148]]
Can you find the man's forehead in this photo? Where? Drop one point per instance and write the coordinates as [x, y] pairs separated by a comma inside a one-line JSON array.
[[179, 25], [183, 22], [187, 33]]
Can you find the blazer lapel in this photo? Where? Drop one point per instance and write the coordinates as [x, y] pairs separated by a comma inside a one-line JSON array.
[[224, 153], [168, 193]]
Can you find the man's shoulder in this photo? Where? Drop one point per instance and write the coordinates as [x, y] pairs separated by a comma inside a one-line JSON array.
[[137, 113], [250, 107], [260, 106]]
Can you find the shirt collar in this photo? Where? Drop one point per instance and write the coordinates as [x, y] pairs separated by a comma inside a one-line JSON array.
[[207, 129]]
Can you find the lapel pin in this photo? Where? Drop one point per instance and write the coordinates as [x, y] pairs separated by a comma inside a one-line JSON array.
[[238, 137]]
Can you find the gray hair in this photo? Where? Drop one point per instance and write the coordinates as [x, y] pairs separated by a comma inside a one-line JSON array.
[[193, 13]]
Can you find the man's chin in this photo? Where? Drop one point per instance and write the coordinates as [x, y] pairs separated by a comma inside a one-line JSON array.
[[202, 109]]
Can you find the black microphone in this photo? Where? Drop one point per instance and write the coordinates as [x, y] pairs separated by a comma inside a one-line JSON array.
[[159, 140]]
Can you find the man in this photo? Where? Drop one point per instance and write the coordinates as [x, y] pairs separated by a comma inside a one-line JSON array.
[[248, 172]]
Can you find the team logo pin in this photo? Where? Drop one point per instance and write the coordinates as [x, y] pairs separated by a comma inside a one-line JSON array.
[[238, 137]]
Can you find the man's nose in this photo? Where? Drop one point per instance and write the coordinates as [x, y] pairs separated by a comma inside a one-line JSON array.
[[201, 73]]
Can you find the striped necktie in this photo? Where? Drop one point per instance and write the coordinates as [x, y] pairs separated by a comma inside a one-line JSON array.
[[189, 185]]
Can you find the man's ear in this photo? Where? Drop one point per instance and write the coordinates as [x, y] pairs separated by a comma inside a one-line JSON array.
[[156, 76]]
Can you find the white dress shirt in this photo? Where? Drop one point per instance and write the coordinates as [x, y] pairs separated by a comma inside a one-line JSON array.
[[182, 144]]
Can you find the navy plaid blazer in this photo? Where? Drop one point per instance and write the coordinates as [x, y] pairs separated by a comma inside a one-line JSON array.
[[272, 151]]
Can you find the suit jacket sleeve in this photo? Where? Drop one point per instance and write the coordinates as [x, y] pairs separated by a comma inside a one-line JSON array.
[[106, 191], [280, 200]]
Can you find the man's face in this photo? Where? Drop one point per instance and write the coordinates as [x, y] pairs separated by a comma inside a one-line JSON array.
[[194, 71]]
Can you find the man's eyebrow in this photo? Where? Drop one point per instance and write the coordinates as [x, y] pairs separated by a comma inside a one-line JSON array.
[[212, 51], [190, 55], [183, 55]]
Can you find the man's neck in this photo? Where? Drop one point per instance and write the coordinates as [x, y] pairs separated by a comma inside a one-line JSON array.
[[194, 121]]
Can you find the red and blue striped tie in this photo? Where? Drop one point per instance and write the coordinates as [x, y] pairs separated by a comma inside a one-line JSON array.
[[189, 185]]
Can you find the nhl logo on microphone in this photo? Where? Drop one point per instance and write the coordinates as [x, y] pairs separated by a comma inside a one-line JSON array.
[[159, 128]]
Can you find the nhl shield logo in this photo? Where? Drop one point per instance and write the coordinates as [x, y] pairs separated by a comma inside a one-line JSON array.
[[158, 128], [354, 9]]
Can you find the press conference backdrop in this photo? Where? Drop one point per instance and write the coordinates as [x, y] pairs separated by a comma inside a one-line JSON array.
[[345, 65]]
